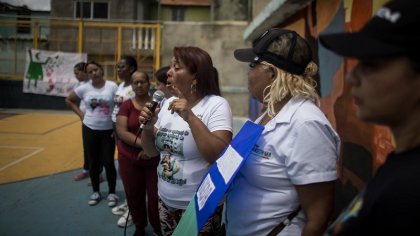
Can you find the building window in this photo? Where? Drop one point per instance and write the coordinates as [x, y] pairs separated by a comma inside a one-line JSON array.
[[178, 13], [100, 10], [83, 10], [91, 10]]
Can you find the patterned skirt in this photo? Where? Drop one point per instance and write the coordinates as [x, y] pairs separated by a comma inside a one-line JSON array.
[[170, 217]]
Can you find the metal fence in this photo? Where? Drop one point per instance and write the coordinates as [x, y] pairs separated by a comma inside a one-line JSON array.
[[104, 42]]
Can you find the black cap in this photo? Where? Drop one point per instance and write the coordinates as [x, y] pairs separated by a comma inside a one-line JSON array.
[[280, 47], [392, 31]]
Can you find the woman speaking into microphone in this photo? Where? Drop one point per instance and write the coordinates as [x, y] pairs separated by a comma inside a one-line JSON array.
[[191, 130]]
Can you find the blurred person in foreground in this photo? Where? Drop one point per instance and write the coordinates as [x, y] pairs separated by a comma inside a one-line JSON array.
[[97, 128], [192, 129], [385, 85], [291, 172], [137, 170]]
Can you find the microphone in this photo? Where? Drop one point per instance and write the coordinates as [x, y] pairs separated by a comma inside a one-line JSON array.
[[158, 96]]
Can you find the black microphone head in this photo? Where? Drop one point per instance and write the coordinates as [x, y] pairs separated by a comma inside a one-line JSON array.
[[158, 96]]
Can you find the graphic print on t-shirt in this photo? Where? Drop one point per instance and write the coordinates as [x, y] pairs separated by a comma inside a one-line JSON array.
[[171, 166], [98, 105], [118, 99]]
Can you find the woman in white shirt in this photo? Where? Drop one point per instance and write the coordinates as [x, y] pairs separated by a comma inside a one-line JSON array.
[[291, 171], [193, 128], [98, 97]]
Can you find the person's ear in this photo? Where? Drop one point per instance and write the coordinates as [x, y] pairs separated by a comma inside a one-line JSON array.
[[273, 72]]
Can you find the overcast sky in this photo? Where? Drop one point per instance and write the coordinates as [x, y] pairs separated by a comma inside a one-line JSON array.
[[40, 5]]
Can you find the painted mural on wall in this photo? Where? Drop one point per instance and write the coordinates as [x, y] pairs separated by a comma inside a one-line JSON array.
[[50, 72]]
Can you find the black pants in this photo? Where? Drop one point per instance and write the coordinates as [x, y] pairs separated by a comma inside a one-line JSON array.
[[100, 145], [85, 154]]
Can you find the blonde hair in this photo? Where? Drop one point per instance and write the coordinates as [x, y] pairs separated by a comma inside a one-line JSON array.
[[286, 84]]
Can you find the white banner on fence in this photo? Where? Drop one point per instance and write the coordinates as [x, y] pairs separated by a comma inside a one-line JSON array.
[[50, 72]]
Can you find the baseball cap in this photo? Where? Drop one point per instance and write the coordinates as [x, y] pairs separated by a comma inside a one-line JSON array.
[[283, 48], [392, 31]]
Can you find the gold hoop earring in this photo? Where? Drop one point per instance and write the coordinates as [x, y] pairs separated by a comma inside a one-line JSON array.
[[193, 88]]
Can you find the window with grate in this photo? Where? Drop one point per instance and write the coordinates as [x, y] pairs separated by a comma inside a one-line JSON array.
[[178, 13], [91, 10]]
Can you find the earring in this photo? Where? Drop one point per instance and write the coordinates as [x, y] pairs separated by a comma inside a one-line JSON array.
[[193, 88]]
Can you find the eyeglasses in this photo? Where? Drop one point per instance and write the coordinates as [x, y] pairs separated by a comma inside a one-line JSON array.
[[253, 64], [119, 66], [139, 83]]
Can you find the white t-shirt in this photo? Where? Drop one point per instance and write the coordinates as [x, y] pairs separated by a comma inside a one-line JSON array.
[[123, 94], [99, 104], [181, 165], [298, 146]]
